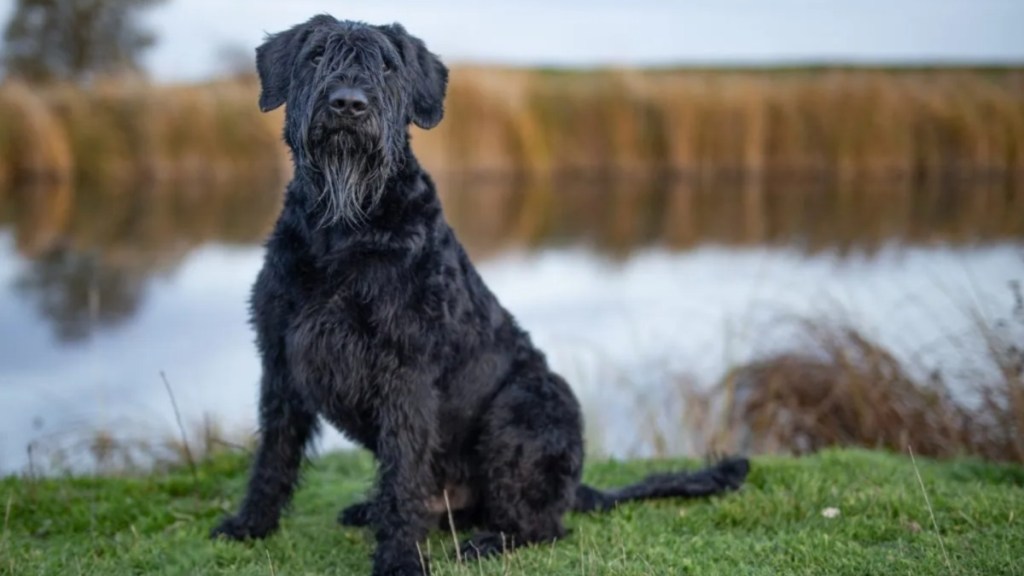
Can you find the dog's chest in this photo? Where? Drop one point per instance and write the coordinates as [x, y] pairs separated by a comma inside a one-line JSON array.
[[359, 326]]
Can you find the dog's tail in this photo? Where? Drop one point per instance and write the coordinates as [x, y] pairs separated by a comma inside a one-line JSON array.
[[723, 476]]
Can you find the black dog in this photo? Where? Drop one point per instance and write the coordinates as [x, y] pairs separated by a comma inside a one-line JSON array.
[[369, 313]]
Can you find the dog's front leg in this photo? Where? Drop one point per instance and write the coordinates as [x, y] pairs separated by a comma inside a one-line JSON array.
[[286, 427], [400, 516]]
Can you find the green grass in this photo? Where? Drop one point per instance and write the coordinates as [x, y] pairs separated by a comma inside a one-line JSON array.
[[157, 524]]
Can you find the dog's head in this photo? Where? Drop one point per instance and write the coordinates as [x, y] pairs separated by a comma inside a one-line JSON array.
[[350, 90]]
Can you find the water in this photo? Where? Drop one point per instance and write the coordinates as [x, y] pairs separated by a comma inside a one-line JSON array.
[[629, 296]]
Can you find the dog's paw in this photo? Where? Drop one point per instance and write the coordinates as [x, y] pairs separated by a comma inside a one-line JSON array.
[[357, 515], [484, 545], [238, 528], [402, 560], [405, 569]]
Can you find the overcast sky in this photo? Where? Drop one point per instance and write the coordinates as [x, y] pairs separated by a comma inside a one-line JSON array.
[[621, 32]]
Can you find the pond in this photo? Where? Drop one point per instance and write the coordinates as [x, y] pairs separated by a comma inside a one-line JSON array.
[[638, 289]]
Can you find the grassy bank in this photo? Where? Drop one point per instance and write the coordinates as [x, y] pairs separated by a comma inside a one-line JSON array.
[[845, 124], [959, 517]]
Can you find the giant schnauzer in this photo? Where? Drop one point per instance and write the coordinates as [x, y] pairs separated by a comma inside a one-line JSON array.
[[369, 314]]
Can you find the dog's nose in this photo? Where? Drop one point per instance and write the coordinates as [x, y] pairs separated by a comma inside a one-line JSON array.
[[347, 100]]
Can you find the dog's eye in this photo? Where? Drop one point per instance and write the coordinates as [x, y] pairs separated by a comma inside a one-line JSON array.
[[386, 66], [316, 57]]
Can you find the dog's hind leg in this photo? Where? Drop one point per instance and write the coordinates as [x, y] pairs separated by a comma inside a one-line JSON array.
[[531, 451], [359, 515]]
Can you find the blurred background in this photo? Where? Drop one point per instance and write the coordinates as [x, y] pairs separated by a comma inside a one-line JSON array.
[[733, 225]]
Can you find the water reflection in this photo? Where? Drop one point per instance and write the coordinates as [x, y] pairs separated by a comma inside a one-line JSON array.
[[614, 214], [93, 250], [620, 214], [77, 292], [629, 282]]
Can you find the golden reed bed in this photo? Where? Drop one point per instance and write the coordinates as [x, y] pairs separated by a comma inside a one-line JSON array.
[[836, 124]]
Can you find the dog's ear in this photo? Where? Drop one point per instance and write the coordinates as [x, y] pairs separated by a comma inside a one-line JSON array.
[[275, 61], [426, 77]]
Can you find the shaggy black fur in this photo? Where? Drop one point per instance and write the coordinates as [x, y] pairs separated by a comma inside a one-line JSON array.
[[369, 314]]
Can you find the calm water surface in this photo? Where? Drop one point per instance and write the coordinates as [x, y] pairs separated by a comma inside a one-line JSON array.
[[631, 288]]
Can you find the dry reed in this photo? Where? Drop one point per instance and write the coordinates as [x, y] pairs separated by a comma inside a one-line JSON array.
[[843, 125], [843, 389]]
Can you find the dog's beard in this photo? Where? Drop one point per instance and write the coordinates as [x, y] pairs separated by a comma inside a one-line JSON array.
[[353, 181], [354, 164]]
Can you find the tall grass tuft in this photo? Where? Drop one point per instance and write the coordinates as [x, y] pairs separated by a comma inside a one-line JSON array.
[[843, 389]]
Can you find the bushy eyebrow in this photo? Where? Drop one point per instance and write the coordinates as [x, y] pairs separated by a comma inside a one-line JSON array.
[[325, 37], [388, 50]]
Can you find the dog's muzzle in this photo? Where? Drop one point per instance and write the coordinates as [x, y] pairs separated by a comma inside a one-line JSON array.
[[348, 102]]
